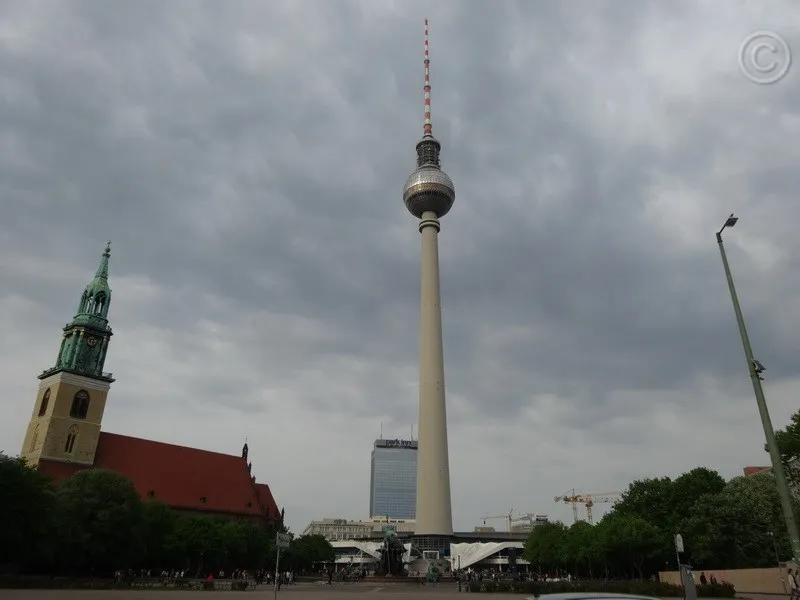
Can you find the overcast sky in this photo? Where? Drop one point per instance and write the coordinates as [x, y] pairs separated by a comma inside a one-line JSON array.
[[247, 159]]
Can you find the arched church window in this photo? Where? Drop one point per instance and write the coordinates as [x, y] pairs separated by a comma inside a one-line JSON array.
[[99, 303], [80, 405], [45, 402], [34, 439], [72, 437]]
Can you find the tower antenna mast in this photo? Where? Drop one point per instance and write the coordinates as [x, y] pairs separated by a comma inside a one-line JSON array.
[[428, 128]]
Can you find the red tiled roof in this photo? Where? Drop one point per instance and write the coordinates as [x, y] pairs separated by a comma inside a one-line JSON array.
[[178, 476], [265, 498], [755, 470]]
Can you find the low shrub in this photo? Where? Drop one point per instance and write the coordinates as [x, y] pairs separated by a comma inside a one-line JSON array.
[[640, 588], [239, 585], [716, 590]]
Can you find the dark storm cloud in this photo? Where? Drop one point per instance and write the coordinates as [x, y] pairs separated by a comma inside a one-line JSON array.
[[235, 173]]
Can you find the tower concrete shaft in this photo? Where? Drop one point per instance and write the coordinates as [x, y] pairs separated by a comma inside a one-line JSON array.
[[434, 510], [429, 195]]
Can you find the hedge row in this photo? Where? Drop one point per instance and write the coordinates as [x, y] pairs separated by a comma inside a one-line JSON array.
[[639, 588]]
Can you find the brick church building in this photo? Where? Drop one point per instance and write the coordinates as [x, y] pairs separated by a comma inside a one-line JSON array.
[[64, 435]]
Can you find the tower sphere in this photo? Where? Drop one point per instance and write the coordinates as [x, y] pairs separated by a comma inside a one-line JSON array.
[[429, 189]]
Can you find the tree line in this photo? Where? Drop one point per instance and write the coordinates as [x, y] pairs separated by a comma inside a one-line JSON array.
[[724, 525], [95, 523]]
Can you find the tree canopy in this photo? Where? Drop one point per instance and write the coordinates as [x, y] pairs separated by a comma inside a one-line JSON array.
[[724, 525], [96, 523], [788, 440], [26, 500], [99, 519]]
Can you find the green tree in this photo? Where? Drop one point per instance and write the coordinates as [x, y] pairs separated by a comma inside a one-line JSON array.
[[247, 545], [582, 548], [546, 546], [100, 521], [688, 488], [734, 528], [158, 533], [200, 540], [788, 440], [630, 541], [307, 551], [665, 504], [649, 499], [27, 500]]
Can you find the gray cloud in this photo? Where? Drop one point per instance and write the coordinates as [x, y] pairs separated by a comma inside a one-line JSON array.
[[247, 161]]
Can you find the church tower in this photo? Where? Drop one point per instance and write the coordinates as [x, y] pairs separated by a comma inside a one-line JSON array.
[[65, 424]]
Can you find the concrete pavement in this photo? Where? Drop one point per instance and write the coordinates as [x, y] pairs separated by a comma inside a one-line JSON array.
[[301, 591]]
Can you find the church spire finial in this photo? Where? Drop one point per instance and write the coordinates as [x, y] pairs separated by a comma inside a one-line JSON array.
[[102, 269]]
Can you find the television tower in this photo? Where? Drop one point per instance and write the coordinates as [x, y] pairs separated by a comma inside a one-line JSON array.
[[429, 194]]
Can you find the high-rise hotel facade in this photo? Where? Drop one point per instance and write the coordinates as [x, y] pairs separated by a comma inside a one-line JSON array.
[[393, 479]]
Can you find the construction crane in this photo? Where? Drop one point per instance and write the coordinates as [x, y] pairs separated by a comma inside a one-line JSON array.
[[507, 518], [587, 499]]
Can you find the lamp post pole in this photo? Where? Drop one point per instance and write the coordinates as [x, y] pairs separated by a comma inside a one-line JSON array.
[[755, 368], [775, 547]]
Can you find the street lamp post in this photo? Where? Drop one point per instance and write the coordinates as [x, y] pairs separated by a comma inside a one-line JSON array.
[[756, 369], [775, 547]]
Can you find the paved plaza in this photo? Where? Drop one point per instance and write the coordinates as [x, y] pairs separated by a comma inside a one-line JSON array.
[[302, 591]]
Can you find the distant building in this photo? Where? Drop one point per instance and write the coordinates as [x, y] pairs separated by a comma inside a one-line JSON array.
[[393, 479], [484, 529], [793, 474], [347, 529], [756, 470], [527, 523]]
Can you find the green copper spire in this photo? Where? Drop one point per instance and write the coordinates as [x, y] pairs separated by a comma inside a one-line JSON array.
[[85, 341], [102, 269], [96, 298]]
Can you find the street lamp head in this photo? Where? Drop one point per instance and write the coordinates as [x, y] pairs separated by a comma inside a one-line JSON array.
[[729, 223]]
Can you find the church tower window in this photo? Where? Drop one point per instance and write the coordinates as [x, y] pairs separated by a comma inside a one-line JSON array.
[[45, 402], [72, 437], [80, 405]]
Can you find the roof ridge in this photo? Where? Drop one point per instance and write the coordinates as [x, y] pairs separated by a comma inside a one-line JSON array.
[[160, 443]]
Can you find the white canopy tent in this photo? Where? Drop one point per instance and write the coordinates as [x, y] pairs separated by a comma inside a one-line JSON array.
[[472, 553]]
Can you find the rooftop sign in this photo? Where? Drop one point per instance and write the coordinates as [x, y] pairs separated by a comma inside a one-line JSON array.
[[396, 444]]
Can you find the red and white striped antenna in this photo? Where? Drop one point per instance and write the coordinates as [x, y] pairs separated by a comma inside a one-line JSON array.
[[428, 129]]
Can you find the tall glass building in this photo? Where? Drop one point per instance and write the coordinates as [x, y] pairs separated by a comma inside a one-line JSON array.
[[393, 480]]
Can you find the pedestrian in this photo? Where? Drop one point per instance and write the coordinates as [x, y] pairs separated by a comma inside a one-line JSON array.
[[794, 592]]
